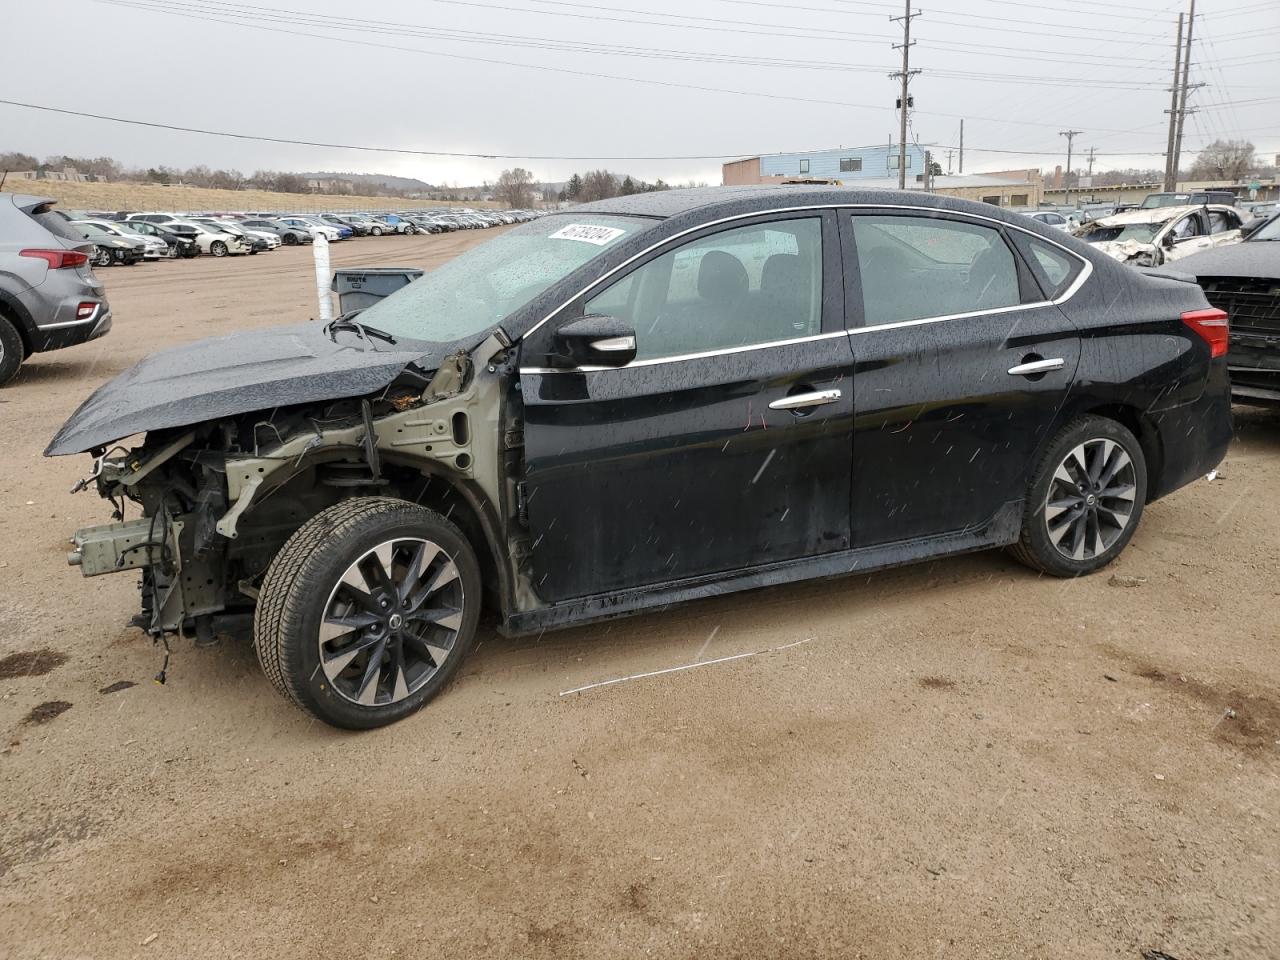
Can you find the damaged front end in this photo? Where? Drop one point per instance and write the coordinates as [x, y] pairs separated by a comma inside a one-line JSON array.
[[214, 502]]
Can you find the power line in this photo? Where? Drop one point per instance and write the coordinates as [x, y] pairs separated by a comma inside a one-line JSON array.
[[474, 156], [562, 70]]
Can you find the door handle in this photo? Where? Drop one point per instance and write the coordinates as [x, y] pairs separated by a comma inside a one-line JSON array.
[[800, 401], [1037, 366]]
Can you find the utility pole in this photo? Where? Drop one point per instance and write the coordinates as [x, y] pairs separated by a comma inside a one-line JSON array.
[[1182, 102], [1093, 151], [928, 171], [962, 145], [950, 154], [1170, 173], [904, 101], [1070, 135]]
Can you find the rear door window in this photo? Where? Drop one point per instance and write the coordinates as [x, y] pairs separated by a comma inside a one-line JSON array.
[[913, 268]]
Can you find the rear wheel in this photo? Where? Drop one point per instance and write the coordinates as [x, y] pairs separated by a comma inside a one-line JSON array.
[[218, 248], [1085, 500], [11, 351], [290, 239], [367, 611]]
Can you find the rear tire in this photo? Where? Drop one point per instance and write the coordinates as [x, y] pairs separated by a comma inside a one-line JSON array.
[[290, 240], [1085, 499], [367, 611], [12, 352]]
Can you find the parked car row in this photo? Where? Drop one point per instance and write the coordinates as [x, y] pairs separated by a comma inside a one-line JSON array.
[[127, 238]]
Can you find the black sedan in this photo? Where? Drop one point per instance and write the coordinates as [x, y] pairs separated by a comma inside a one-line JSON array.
[[644, 401], [1244, 280]]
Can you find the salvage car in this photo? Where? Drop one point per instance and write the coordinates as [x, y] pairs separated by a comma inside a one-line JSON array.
[[179, 244], [153, 247], [644, 401], [109, 247], [1150, 237], [1244, 281]]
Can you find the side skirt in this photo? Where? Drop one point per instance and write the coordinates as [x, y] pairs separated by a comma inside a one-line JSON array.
[[1001, 530]]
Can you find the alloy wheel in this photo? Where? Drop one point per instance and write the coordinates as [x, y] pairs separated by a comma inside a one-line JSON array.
[[1091, 499], [391, 621]]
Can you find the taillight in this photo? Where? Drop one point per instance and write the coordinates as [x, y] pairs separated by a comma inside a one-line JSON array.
[[85, 310], [58, 259], [1212, 325]]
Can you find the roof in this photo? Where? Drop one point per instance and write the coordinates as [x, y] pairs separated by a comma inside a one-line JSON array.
[[670, 203], [1156, 214]]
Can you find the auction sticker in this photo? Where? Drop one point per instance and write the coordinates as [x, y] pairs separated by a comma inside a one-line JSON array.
[[588, 234]]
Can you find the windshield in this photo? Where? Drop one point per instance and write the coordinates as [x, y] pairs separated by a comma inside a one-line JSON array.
[[1164, 200], [489, 282], [1268, 231], [1142, 232]]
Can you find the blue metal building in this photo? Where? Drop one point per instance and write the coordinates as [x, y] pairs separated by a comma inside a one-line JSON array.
[[843, 163], [848, 164]]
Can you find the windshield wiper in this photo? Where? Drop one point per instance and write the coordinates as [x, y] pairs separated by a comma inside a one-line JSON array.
[[334, 327]]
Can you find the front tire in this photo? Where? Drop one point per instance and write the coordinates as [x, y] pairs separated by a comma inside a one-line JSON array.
[[367, 611], [1085, 499], [218, 248], [376, 231]]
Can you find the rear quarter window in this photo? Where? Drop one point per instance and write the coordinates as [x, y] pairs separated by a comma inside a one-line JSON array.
[[54, 223], [1053, 268]]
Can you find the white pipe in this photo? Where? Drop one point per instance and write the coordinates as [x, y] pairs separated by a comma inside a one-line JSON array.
[[320, 252]]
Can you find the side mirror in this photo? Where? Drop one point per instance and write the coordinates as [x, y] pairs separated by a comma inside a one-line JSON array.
[[1169, 240], [596, 341]]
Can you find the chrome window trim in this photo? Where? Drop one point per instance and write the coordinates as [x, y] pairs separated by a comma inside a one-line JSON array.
[[1066, 295]]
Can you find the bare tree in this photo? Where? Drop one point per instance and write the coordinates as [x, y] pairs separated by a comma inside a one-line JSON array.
[[1223, 160], [515, 188], [598, 185]]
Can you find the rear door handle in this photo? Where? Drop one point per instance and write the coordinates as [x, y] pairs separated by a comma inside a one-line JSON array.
[[1037, 366], [799, 401]]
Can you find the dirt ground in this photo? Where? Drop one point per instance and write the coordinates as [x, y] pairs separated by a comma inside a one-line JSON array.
[[960, 760]]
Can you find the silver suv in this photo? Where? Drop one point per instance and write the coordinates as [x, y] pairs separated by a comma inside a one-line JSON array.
[[49, 297]]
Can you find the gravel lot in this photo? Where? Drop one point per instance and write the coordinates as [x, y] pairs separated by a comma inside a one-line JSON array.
[[953, 760]]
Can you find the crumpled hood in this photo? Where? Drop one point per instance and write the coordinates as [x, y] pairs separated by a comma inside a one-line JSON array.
[[237, 374], [1259, 259], [1123, 250]]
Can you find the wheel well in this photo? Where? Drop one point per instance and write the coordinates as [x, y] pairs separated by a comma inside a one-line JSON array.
[[1144, 429], [302, 496], [7, 314]]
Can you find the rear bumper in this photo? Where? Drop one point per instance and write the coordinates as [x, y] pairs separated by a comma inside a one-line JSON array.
[[1194, 437], [69, 333]]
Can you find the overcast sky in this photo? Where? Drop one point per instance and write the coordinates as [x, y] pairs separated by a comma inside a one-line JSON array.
[[483, 76]]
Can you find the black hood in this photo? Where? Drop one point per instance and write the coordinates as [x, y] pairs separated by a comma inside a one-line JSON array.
[[238, 374], [1258, 259]]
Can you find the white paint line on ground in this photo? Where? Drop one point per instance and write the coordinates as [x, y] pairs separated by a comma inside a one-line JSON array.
[[687, 666]]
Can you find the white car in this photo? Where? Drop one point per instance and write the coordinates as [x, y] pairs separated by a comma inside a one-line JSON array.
[[1050, 218], [155, 248], [230, 226], [216, 243], [316, 226], [1157, 235]]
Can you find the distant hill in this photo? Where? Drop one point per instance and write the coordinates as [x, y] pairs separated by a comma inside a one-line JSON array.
[[377, 180]]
